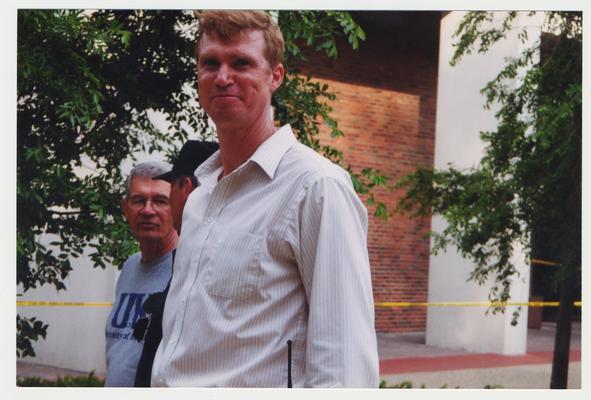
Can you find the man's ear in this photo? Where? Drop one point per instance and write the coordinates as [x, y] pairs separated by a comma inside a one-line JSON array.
[[187, 187], [277, 75]]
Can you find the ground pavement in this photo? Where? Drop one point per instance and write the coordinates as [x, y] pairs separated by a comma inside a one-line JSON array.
[[404, 357]]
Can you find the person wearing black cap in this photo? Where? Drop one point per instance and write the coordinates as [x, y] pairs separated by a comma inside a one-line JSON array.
[[182, 179], [182, 183]]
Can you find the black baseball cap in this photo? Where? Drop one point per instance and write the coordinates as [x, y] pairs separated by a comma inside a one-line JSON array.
[[191, 155]]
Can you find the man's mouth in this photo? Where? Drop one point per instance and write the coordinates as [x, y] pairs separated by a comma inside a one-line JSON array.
[[225, 96]]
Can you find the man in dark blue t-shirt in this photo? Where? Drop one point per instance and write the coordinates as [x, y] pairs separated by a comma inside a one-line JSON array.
[[146, 207]]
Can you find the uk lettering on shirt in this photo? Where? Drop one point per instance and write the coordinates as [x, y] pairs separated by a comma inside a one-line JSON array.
[[129, 309]]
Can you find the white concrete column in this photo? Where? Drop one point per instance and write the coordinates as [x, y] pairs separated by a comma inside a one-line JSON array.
[[460, 118], [76, 334]]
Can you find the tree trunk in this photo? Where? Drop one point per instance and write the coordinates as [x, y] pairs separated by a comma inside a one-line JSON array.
[[560, 360]]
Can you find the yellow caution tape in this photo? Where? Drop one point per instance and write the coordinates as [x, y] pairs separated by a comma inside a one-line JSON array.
[[21, 303], [544, 262], [473, 304]]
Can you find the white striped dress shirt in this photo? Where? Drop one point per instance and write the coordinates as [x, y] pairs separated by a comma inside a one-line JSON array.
[[274, 251]]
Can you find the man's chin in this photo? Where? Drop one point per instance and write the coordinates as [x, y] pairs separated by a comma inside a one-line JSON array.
[[148, 235], [225, 110]]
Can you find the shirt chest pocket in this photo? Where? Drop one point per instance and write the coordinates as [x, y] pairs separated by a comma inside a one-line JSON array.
[[235, 269]]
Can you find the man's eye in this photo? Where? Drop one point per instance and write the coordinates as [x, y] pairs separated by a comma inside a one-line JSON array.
[[209, 62], [136, 201], [241, 63]]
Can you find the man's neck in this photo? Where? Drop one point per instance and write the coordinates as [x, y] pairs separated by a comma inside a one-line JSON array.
[[238, 145], [153, 250]]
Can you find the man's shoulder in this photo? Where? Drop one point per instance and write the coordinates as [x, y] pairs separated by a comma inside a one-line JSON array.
[[133, 259], [304, 162], [131, 262]]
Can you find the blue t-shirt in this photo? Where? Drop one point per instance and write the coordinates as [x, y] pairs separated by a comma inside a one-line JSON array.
[[136, 282]]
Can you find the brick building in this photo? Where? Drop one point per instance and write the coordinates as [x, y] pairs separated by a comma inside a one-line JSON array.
[[386, 104]]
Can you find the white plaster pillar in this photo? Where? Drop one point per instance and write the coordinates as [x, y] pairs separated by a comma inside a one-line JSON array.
[[460, 118]]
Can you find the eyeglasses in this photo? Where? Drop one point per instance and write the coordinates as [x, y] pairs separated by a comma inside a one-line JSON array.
[[158, 203]]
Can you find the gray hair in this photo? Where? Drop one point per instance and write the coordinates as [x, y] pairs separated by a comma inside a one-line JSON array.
[[147, 169]]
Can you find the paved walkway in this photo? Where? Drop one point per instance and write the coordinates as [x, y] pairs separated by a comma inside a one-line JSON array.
[[404, 357]]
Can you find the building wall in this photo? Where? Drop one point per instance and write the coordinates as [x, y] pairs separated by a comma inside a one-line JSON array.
[[386, 103]]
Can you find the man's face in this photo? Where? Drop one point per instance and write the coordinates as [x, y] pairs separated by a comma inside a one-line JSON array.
[[178, 197], [147, 209], [235, 79]]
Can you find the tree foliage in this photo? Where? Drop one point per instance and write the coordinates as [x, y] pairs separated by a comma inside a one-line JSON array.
[[527, 187], [530, 174], [29, 330], [89, 85]]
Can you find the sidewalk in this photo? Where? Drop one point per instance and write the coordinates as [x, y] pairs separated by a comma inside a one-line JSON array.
[[405, 358]]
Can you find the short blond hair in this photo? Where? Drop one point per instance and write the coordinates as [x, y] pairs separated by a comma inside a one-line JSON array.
[[226, 24]]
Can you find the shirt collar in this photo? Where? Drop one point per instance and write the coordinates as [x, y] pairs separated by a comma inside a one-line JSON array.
[[267, 155], [209, 166], [272, 150]]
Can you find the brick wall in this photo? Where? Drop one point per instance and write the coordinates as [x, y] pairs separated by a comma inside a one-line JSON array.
[[386, 103]]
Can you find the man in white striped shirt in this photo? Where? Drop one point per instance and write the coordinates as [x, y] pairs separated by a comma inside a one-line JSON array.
[[274, 241]]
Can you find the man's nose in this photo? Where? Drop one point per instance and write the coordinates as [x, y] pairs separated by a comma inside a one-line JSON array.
[[148, 208], [223, 77]]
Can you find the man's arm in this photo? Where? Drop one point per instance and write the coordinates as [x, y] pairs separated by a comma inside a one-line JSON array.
[[341, 347]]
